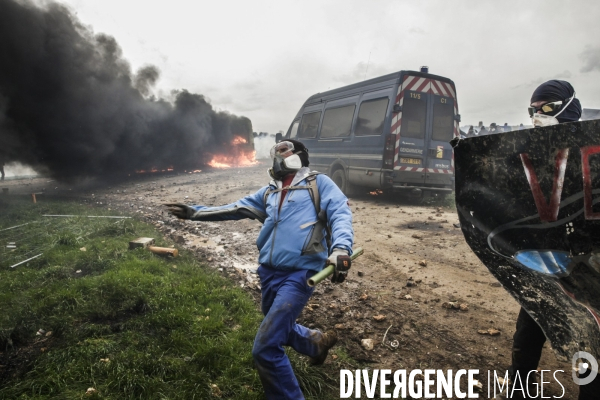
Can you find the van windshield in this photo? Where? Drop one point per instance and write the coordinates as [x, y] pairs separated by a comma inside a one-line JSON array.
[[443, 119], [414, 116]]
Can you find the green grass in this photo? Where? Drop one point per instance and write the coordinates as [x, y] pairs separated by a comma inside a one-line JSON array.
[[130, 324]]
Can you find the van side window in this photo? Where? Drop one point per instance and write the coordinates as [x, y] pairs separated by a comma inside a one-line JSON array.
[[371, 117], [443, 119], [293, 130], [309, 125], [414, 115], [337, 121]]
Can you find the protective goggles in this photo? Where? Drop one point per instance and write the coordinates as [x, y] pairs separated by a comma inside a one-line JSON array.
[[545, 108], [282, 149], [550, 107]]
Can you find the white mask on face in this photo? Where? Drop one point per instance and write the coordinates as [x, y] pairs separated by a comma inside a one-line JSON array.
[[540, 120], [543, 120]]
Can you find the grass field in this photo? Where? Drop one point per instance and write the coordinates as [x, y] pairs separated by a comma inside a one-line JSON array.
[[89, 313]]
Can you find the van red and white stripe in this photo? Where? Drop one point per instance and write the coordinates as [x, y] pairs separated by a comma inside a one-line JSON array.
[[428, 170], [425, 85]]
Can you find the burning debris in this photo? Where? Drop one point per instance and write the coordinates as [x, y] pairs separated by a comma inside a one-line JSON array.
[[70, 105], [239, 155]]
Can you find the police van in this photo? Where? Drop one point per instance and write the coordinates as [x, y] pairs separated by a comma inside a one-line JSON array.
[[389, 133]]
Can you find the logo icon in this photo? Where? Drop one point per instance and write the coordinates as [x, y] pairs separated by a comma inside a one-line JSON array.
[[584, 362], [439, 152]]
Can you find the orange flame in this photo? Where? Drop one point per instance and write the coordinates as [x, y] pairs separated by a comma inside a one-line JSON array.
[[238, 140], [376, 192], [239, 156]]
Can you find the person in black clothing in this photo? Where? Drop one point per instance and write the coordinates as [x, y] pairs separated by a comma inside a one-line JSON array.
[[529, 338], [471, 132]]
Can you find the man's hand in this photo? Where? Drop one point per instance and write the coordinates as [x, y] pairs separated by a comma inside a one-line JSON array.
[[181, 211], [342, 262]]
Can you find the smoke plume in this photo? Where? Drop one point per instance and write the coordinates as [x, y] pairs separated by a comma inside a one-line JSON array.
[[70, 106]]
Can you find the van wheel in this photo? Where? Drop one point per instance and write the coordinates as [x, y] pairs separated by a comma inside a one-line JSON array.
[[339, 178]]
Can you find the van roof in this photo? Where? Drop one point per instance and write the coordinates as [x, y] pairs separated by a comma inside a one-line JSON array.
[[375, 82]]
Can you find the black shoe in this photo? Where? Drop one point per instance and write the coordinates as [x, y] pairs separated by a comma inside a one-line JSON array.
[[328, 340]]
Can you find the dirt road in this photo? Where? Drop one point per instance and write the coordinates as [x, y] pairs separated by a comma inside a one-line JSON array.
[[416, 263]]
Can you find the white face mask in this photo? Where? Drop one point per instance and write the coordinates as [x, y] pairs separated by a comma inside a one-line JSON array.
[[540, 120], [543, 120], [293, 162]]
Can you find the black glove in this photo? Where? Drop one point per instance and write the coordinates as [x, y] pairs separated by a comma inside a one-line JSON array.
[[342, 262], [181, 211]]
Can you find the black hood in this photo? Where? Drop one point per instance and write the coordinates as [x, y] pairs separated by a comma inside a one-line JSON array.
[[555, 90]]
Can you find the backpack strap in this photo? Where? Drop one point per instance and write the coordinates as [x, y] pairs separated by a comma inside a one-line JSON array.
[[316, 198], [313, 191]]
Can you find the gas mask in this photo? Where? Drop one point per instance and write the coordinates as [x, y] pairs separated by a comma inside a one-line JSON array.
[[540, 120], [284, 160]]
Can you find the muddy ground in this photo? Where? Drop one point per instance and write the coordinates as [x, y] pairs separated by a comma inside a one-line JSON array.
[[416, 261]]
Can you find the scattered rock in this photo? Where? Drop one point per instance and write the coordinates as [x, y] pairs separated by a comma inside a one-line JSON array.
[[364, 296], [340, 326], [464, 307], [359, 273], [178, 239], [417, 236], [83, 249], [408, 297], [367, 344], [411, 226], [423, 263], [379, 317], [491, 332], [451, 305], [91, 391]]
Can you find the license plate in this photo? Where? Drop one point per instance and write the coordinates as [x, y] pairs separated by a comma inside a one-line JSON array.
[[410, 161]]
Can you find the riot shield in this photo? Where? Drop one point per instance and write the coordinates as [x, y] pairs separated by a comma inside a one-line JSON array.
[[528, 207]]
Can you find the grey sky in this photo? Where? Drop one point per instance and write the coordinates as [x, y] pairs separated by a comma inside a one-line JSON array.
[[263, 58]]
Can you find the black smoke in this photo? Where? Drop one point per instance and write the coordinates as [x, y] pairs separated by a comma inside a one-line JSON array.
[[70, 105]]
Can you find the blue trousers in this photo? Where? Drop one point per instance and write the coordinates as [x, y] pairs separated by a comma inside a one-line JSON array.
[[284, 295]]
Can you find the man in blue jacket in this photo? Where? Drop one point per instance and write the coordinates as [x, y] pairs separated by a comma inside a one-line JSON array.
[[298, 208]]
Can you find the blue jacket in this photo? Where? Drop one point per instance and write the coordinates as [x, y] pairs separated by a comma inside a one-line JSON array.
[[283, 239]]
